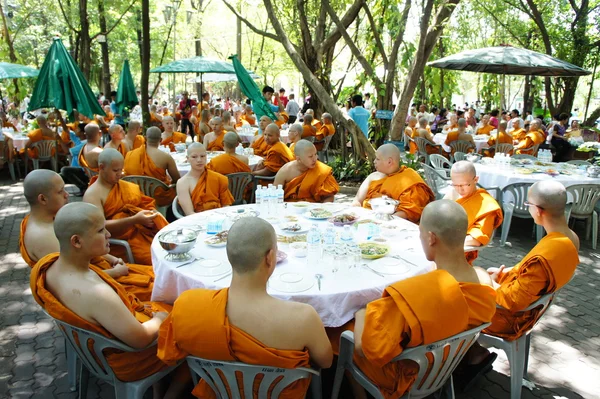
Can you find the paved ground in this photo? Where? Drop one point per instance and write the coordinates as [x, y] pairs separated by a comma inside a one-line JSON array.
[[565, 355]]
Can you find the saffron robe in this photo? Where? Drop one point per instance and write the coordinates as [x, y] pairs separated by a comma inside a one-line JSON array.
[[412, 146], [260, 146], [176, 138], [139, 163], [211, 192], [308, 131], [314, 185], [324, 131], [35, 136], [83, 162], [217, 143], [485, 129], [226, 164], [277, 156], [532, 138], [138, 142]]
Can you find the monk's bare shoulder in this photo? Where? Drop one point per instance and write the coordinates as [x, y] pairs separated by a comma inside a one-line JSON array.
[[375, 176], [483, 276], [574, 238]]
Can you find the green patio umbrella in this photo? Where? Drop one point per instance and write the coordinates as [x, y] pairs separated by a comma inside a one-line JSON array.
[[250, 89], [126, 94], [61, 85], [15, 71], [195, 65]]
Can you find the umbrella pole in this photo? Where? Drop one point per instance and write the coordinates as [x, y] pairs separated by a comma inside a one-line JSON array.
[[502, 107]]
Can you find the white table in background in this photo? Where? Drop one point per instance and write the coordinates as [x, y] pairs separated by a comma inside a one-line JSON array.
[[250, 137], [481, 141], [342, 293], [183, 167]]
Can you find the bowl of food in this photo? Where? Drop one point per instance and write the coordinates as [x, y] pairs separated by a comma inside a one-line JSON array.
[[343, 219], [218, 240], [299, 207], [373, 250], [384, 207], [178, 243], [298, 249], [180, 147], [318, 214]]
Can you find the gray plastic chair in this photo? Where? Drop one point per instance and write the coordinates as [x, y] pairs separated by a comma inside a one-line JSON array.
[[434, 180], [323, 155], [524, 156], [433, 375], [517, 208], [585, 197], [579, 162], [238, 182], [95, 362], [177, 210], [533, 149], [462, 146], [459, 156], [517, 351], [423, 144], [441, 164], [44, 148], [504, 148], [122, 243], [149, 185], [211, 371], [89, 173]]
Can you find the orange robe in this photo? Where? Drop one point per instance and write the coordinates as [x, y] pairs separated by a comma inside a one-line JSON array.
[[484, 215], [260, 146], [199, 326], [317, 124], [127, 366], [138, 163], [217, 143], [154, 121], [248, 119], [139, 282], [518, 134], [65, 137], [308, 131], [36, 136], [124, 200], [406, 186], [501, 138], [292, 147], [211, 192], [532, 138], [545, 269], [226, 164], [485, 129], [284, 119], [122, 148], [411, 132], [83, 162], [324, 131], [413, 312], [138, 142], [314, 185], [277, 156], [452, 136], [176, 138]]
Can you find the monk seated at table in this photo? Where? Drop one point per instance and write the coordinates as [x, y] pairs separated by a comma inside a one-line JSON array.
[[222, 324], [248, 117], [535, 136], [503, 137], [282, 119], [421, 310], [117, 136], [88, 156], [201, 189], [259, 145], [327, 129], [133, 138], [230, 162], [148, 160], [545, 269], [213, 141], [518, 132], [485, 127], [308, 130], [155, 117], [410, 131], [460, 134], [45, 192], [170, 137], [397, 182], [277, 155], [307, 178], [130, 215], [452, 124], [483, 212], [71, 289], [294, 135], [228, 122], [39, 134]]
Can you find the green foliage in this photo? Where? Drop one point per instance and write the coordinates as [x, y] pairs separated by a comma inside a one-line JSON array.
[[350, 170]]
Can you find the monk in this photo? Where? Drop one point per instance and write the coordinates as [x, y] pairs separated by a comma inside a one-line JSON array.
[[222, 324], [45, 192], [230, 162], [204, 126], [518, 132], [170, 137], [535, 136], [195, 120], [483, 212], [39, 134], [545, 269], [259, 145], [411, 131], [228, 123], [485, 127], [294, 135], [277, 155], [502, 137], [327, 129], [421, 310], [459, 133], [155, 117], [148, 160], [117, 142], [74, 291], [452, 124], [397, 182], [201, 189], [130, 215], [248, 116], [88, 156], [308, 130], [315, 122], [282, 118], [307, 178], [213, 141], [133, 138]]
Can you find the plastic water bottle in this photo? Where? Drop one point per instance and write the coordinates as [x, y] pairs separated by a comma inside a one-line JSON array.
[[280, 194], [313, 244], [259, 199], [265, 201], [347, 236], [329, 236]]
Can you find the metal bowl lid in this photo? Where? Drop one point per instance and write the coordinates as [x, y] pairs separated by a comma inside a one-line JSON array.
[[178, 236]]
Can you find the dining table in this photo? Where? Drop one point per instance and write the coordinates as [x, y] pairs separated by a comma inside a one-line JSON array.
[[183, 166], [253, 134], [337, 279], [481, 141]]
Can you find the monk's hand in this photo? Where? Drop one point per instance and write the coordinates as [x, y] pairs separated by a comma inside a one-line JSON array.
[[495, 272], [145, 218], [161, 315]]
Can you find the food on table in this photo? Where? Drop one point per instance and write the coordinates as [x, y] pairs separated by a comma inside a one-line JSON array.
[[242, 213], [552, 172], [365, 221], [319, 213], [566, 172], [292, 227], [291, 218], [539, 163], [524, 171], [218, 238], [344, 218], [371, 250], [290, 239]]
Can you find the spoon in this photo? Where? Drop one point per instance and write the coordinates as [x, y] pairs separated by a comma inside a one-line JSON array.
[[319, 277], [372, 270], [189, 262]]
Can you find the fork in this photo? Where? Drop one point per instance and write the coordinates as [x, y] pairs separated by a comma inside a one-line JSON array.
[[404, 260], [189, 262], [372, 270]]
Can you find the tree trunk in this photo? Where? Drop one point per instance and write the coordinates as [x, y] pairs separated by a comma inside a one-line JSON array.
[[104, 48], [198, 46], [238, 46], [138, 31], [526, 95], [11, 49], [145, 61], [85, 42]]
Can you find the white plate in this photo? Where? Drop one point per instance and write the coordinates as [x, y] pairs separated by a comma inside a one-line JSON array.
[[303, 228], [221, 244], [311, 217], [242, 213], [388, 265], [291, 282], [208, 268]]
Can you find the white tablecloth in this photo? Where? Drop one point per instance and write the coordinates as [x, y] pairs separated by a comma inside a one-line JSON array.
[[19, 142], [480, 141], [183, 167], [250, 137], [342, 293]]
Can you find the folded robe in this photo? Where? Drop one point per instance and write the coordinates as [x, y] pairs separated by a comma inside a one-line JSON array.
[[211, 192], [217, 143], [416, 311], [545, 269], [277, 156], [127, 366], [175, 138], [406, 186], [260, 146], [124, 200], [139, 163], [226, 164], [139, 282], [532, 138], [314, 185], [308, 131], [198, 326]]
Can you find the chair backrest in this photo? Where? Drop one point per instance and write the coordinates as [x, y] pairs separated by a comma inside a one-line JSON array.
[[524, 156], [238, 182], [504, 148], [147, 184], [221, 375], [433, 180], [176, 208], [44, 148], [518, 192], [310, 138], [327, 141], [585, 197], [89, 173], [407, 140], [462, 146], [439, 161], [460, 156], [579, 162]]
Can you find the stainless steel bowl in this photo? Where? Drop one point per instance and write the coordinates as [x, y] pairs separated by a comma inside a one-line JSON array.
[[384, 207], [179, 241]]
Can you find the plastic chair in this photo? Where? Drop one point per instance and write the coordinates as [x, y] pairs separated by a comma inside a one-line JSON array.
[[517, 351], [94, 361], [462, 146], [524, 156], [407, 141], [459, 156], [423, 144], [533, 150], [124, 244], [504, 148], [44, 148], [441, 164], [434, 373], [11, 161], [177, 210], [219, 375], [323, 154], [585, 197], [435, 181], [579, 162], [148, 185], [89, 173], [517, 208], [238, 182]]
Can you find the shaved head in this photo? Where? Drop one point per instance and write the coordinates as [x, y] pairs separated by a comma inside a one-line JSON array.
[[387, 159], [390, 150], [133, 126], [464, 168], [226, 117], [115, 129], [412, 120], [447, 220], [295, 130], [195, 147], [308, 118], [231, 140], [502, 124], [41, 120], [302, 147], [310, 111], [423, 122], [77, 218], [549, 195], [326, 117], [248, 244], [39, 181], [153, 135], [167, 119], [91, 131], [462, 122], [108, 156], [205, 115]]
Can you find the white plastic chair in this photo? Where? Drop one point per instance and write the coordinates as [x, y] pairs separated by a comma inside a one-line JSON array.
[[585, 197], [95, 362], [433, 375], [579, 162], [435, 181], [149, 185], [459, 156], [177, 210], [210, 370], [441, 164], [44, 148], [504, 148], [462, 146], [524, 156], [533, 150], [517, 208], [422, 145], [517, 351]]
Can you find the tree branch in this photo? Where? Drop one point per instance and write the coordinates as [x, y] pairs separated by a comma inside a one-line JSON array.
[[505, 26], [375, 32], [116, 23], [304, 29], [320, 32], [67, 18], [347, 19], [574, 6], [398, 41], [250, 25]]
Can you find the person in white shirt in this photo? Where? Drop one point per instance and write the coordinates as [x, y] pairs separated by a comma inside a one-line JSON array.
[[292, 108], [368, 103], [23, 106]]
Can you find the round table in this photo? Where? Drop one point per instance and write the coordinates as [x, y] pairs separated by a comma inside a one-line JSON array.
[[342, 292], [481, 141], [183, 166], [250, 137]]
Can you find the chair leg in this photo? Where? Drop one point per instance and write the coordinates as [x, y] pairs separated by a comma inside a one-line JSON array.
[[337, 381], [516, 358], [505, 229], [594, 229], [36, 164], [71, 366], [11, 169], [316, 387], [527, 346], [539, 232], [84, 375]]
